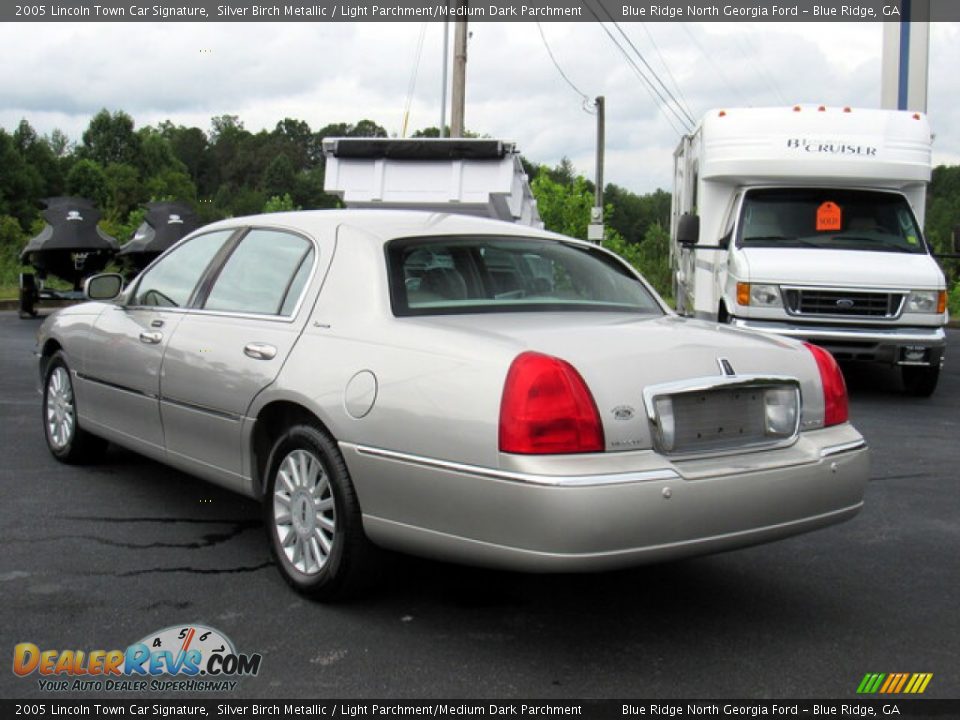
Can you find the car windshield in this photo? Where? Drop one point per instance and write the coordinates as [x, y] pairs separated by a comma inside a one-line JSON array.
[[504, 274], [831, 219]]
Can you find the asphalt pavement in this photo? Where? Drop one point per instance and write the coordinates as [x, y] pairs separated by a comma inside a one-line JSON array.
[[100, 557]]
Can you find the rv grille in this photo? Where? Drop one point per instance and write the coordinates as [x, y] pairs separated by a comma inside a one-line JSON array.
[[843, 303]]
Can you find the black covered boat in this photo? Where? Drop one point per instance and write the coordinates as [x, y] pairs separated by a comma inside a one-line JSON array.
[[164, 224], [70, 247]]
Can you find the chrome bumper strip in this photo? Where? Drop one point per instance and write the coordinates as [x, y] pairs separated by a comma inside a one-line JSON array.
[[546, 480], [844, 448], [935, 335]]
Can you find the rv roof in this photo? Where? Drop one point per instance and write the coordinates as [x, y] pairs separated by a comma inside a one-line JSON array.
[[887, 147]]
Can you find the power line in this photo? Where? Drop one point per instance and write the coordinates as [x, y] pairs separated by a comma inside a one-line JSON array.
[[747, 41], [666, 67], [716, 69], [689, 117], [411, 88], [586, 100], [655, 95]]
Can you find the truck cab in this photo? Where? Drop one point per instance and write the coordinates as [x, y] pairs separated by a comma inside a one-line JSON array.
[[807, 222]]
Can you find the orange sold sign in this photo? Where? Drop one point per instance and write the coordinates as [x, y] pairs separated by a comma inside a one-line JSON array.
[[829, 216]]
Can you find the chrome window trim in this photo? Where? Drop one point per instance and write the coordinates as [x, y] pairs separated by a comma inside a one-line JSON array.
[[706, 384], [619, 478], [134, 287], [247, 229], [296, 309]]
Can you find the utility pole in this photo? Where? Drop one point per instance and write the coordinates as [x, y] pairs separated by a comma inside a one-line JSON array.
[[595, 229], [906, 51], [458, 95], [443, 80]]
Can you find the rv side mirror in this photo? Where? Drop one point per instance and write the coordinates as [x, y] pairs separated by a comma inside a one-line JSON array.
[[103, 287], [688, 229]]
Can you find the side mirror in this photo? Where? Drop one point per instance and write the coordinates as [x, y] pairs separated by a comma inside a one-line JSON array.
[[103, 287], [688, 229]]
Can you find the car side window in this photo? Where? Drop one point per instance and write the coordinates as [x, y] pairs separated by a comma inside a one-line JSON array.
[[264, 275], [171, 281]]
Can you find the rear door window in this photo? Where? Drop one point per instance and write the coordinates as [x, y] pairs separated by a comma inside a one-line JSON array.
[[265, 274]]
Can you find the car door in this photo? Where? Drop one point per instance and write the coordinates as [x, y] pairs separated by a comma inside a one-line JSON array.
[[233, 347], [122, 361]]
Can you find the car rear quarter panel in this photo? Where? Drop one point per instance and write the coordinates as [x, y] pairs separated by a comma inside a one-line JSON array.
[[437, 394]]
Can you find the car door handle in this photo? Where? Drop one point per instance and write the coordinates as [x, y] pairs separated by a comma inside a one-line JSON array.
[[151, 338], [260, 351]]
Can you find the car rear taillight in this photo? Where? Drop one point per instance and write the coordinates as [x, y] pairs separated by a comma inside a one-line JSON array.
[[547, 408], [835, 410]]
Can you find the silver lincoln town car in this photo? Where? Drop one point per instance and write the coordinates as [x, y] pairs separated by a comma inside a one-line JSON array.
[[449, 386]]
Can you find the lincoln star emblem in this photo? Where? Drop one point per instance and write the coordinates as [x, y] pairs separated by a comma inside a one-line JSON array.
[[725, 367], [623, 412]]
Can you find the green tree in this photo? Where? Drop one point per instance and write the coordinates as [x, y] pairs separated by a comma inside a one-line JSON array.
[[563, 207], [124, 190], [297, 141], [37, 153], [943, 215], [59, 143], [87, 180], [248, 202], [21, 185], [110, 139], [12, 241], [191, 148], [156, 154], [279, 178], [171, 184], [278, 203]]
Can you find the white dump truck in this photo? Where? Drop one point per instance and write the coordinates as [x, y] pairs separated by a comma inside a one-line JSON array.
[[469, 176], [807, 221]]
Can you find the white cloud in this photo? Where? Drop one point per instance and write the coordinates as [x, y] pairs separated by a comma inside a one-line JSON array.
[[64, 73]]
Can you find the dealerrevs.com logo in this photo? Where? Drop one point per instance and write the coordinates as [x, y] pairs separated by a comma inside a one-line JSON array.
[[178, 658]]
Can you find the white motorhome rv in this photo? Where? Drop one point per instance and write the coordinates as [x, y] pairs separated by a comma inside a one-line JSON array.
[[806, 221]]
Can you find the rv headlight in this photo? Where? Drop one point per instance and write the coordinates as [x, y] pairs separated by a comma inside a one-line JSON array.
[[758, 295], [925, 301], [781, 407]]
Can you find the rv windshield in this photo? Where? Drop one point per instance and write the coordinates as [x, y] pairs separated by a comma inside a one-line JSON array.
[[829, 218]]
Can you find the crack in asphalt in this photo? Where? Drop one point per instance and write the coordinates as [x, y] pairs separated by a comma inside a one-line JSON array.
[[194, 571], [906, 476], [163, 520], [208, 540]]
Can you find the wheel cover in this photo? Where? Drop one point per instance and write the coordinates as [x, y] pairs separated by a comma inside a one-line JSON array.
[[304, 515], [61, 413]]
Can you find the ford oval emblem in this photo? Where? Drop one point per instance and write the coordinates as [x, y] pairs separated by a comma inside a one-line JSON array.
[[623, 412], [845, 303]]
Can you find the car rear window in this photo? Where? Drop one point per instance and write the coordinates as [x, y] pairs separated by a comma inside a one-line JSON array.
[[471, 274]]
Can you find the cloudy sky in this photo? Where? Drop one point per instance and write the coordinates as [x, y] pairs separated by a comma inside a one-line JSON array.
[[59, 75]]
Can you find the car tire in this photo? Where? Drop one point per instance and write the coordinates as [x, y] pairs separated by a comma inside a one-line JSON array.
[[312, 517], [920, 381], [67, 441]]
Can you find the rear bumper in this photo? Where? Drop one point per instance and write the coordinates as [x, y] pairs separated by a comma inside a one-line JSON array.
[[597, 521], [850, 342]]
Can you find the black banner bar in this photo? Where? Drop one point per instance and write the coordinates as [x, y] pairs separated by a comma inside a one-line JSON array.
[[477, 10], [591, 709]]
